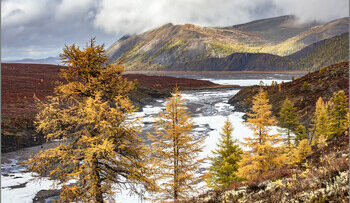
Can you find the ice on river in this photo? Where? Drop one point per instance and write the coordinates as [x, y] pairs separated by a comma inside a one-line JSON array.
[[209, 109]]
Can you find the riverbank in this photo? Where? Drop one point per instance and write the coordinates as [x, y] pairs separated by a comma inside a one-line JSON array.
[[20, 82]]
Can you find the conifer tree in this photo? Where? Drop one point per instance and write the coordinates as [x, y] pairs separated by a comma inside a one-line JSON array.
[[300, 133], [265, 154], [339, 109], [224, 167], [90, 114], [320, 121], [288, 120], [175, 151]]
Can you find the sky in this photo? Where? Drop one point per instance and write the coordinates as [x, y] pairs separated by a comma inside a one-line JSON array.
[[40, 28]]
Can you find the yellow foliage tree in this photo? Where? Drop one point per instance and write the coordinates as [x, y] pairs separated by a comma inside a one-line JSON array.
[[100, 148], [175, 151], [300, 153], [320, 122], [265, 152], [339, 113]]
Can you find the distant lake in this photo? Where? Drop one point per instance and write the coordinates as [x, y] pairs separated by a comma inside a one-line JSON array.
[[233, 78]]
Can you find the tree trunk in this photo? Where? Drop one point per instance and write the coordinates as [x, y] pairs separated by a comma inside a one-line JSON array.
[[175, 147], [96, 182]]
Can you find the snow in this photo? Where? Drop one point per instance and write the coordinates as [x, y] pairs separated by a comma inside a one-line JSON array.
[[18, 175], [150, 110]]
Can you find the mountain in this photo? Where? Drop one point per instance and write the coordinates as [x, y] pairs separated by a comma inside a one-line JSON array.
[[48, 60], [180, 43], [322, 53], [165, 47], [312, 57], [313, 35]]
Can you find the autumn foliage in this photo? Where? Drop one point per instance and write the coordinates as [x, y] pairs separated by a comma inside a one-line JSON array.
[[265, 153], [91, 115], [176, 151]]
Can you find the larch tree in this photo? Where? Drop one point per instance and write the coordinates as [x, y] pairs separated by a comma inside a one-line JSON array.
[[265, 153], [222, 172], [320, 121], [339, 113], [176, 151], [301, 152], [100, 150]]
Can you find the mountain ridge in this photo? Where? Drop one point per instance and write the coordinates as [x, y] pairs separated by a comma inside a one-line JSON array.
[[168, 45]]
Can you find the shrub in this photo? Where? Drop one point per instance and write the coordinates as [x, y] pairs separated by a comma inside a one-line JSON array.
[[305, 86]]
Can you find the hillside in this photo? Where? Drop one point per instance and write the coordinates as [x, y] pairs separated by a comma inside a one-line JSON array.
[[321, 83], [312, 57], [275, 30], [236, 62], [323, 177], [180, 43], [170, 44], [311, 36], [323, 53]]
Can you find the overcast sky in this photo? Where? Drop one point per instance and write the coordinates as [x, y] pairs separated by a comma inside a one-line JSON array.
[[40, 28]]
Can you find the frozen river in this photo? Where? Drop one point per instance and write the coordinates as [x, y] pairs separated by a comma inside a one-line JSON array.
[[208, 108]]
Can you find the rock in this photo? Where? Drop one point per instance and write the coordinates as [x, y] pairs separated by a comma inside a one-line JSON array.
[[44, 196]]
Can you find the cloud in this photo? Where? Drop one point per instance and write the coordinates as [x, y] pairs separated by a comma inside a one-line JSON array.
[[318, 10], [41, 28], [125, 16], [137, 16]]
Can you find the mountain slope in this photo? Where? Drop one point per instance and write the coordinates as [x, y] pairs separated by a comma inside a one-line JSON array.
[[312, 57], [236, 62], [168, 45], [275, 30], [323, 53], [180, 43], [313, 35], [319, 84]]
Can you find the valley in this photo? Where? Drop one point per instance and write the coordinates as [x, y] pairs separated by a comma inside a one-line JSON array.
[[200, 110]]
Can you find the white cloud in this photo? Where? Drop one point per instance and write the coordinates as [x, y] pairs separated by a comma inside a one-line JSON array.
[[320, 10], [125, 16], [136, 16], [69, 9], [22, 13], [39, 24]]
